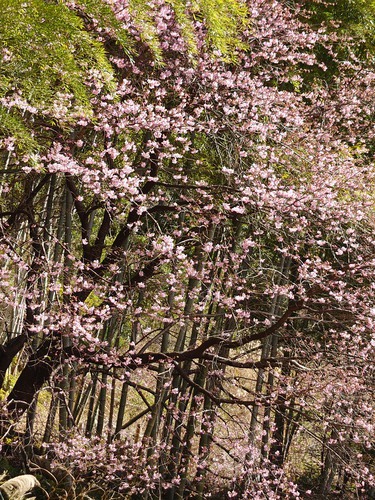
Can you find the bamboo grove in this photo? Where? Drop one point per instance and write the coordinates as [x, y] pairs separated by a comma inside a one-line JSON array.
[[187, 250]]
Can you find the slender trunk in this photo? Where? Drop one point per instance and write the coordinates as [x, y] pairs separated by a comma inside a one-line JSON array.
[[121, 409], [199, 379], [125, 386], [269, 347], [329, 467], [205, 440], [292, 423], [179, 386], [14, 345], [102, 399], [267, 410], [189, 435], [81, 400], [42, 285], [91, 412], [110, 334], [279, 437], [51, 418], [65, 382], [161, 392], [111, 410], [258, 390]]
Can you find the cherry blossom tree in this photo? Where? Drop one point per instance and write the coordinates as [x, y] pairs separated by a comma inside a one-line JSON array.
[[188, 258]]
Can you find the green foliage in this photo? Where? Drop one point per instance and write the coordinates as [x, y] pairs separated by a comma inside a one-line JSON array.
[[47, 51], [46, 54], [225, 20], [355, 18], [185, 23], [93, 300], [351, 14], [106, 20], [143, 16], [11, 124]]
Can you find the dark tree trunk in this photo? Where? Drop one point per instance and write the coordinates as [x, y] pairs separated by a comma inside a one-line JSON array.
[[36, 372], [7, 353]]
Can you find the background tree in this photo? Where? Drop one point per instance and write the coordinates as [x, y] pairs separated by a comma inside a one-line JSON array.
[[187, 254]]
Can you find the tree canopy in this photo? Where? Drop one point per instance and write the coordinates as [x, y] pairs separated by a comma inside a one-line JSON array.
[[186, 223]]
